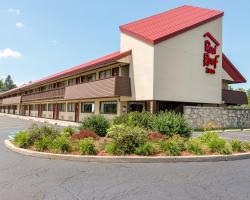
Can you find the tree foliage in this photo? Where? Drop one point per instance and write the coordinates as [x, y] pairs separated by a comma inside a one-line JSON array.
[[7, 84], [248, 97]]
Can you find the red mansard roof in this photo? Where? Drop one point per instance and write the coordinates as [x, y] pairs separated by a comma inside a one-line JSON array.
[[160, 27], [232, 70], [92, 64]]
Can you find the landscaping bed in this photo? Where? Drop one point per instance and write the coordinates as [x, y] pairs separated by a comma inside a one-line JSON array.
[[144, 134]]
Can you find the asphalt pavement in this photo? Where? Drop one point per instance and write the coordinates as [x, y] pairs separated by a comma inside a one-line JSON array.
[[25, 178]]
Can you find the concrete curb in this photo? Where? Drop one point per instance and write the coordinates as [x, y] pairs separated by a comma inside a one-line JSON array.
[[127, 159], [233, 130], [42, 120]]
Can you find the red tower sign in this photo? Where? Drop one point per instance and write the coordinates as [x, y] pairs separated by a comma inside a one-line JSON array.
[[210, 57]]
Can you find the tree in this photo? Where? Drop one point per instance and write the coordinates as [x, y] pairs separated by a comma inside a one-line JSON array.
[[7, 84], [1, 85], [248, 97]]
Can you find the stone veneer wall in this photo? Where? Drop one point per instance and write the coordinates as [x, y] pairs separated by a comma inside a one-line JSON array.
[[223, 116]]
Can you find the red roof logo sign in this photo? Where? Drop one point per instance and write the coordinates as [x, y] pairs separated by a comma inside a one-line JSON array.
[[210, 57]]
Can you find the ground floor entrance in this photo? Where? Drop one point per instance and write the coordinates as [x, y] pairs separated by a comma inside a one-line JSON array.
[[155, 106]]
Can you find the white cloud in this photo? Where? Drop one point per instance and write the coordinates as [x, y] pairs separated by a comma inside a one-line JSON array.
[[19, 25], [55, 42], [15, 11], [9, 53]]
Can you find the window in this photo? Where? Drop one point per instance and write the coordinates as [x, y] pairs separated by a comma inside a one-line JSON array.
[[87, 107], [61, 84], [50, 107], [78, 80], [136, 106], [83, 79], [102, 75], [109, 107], [115, 71], [62, 107], [89, 77], [51, 86], [105, 74], [71, 107], [44, 107], [72, 81], [35, 107], [43, 89]]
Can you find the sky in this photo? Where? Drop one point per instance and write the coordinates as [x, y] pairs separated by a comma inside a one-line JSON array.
[[42, 37]]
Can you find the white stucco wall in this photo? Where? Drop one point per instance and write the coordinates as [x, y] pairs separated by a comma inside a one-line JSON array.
[[179, 74], [34, 113], [68, 116], [49, 114], [27, 113], [226, 76], [141, 66], [173, 69]]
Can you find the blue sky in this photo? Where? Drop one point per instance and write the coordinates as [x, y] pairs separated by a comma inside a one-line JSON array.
[[44, 37]]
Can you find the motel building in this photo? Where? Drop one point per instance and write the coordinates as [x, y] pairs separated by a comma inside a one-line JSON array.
[[165, 62]]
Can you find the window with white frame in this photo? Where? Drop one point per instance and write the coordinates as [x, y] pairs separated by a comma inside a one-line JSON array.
[[50, 107], [35, 107], [89, 77], [87, 107], [44, 107], [108, 107], [72, 81], [62, 107], [70, 107], [105, 74]]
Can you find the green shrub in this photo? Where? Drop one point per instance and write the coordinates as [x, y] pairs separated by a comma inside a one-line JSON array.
[[122, 119], [208, 136], [61, 144], [171, 123], [146, 149], [111, 148], [238, 146], [195, 146], [127, 138], [96, 123], [35, 133], [68, 131], [48, 131], [20, 139], [133, 119], [172, 146], [219, 145], [247, 146], [87, 147], [43, 144]]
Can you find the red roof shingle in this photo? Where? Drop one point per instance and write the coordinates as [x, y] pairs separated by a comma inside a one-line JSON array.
[[168, 24]]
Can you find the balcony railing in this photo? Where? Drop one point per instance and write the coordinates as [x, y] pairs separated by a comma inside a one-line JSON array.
[[234, 97], [11, 100], [115, 86], [51, 94]]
